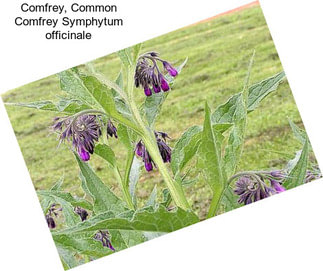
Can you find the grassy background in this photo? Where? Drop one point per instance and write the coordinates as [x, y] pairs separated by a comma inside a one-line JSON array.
[[219, 51]]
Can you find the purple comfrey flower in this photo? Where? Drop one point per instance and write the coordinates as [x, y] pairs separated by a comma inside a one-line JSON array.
[[171, 70], [250, 189], [277, 186], [50, 222], [149, 76], [148, 91], [83, 131], [104, 237], [163, 83], [140, 149], [52, 211], [111, 130], [278, 174], [81, 212], [164, 150]]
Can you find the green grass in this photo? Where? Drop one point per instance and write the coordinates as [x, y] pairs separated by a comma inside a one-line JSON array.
[[218, 53]]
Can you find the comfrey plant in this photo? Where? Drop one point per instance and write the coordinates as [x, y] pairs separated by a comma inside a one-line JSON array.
[[97, 111]]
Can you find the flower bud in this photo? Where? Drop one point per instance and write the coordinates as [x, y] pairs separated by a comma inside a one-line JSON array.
[[171, 70]]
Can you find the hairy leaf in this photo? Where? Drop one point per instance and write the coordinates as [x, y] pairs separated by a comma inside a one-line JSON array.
[[298, 170], [298, 132], [152, 200], [63, 106], [134, 177], [185, 148], [104, 199], [259, 91], [147, 219], [59, 195], [105, 152], [210, 153]]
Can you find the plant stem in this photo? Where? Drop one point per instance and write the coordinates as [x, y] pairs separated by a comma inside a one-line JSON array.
[[215, 203], [149, 140], [124, 187]]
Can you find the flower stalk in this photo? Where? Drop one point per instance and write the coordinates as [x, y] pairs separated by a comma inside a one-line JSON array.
[[149, 140]]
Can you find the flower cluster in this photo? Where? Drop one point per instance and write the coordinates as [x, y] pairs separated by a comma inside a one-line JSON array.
[[83, 131], [164, 149], [81, 212], [255, 186], [149, 76], [51, 213], [104, 237]]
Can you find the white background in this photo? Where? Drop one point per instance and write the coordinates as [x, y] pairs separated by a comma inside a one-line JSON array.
[[281, 233]]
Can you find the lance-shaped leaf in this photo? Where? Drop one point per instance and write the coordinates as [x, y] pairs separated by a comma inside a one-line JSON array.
[[236, 138], [153, 103], [226, 112], [210, 153], [298, 168], [67, 257], [63, 106], [259, 91], [104, 199], [105, 152], [134, 175], [152, 200], [229, 200], [298, 132], [56, 196], [147, 219], [185, 148], [64, 200]]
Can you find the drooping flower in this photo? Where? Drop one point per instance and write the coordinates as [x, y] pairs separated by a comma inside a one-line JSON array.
[[171, 70], [83, 131], [52, 211], [149, 76], [50, 222], [277, 186], [104, 237], [254, 186], [250, 190], [111, 130], [164, 150], [81, 212]]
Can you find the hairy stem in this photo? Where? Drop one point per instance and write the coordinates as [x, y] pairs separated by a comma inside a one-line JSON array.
[[124, 187], [149, 140]]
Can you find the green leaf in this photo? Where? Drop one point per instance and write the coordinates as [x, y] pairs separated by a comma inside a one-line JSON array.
[[185, 148], [152, 106], [230, 200], [226, 112], [210, 153], [105, 152], [65, 201], [67, 257], [147, 219], [298, 132], [259, 91], [104, 199], [55, 195], [134, 177], [152, 200], [126, 57], [298, 170], [124, 136], [167, 198], [83, 243], [63, 106]]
